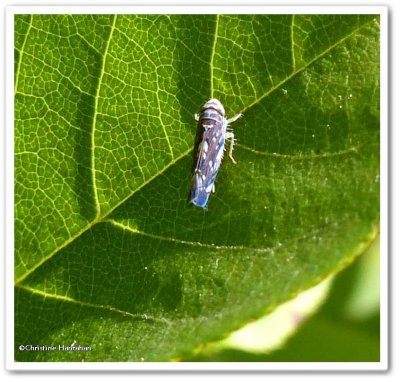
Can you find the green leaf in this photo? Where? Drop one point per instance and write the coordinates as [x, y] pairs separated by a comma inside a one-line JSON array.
[[108, 253]]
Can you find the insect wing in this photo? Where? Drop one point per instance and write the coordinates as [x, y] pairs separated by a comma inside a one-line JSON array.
[[209, 159]]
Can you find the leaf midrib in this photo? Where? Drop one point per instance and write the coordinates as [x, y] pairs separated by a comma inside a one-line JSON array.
[[101, 217]]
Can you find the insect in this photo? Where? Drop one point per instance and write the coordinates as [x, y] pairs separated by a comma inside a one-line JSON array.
[[213, 133]]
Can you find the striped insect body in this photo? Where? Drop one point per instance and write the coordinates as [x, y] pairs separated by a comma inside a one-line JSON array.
[[213, 126]]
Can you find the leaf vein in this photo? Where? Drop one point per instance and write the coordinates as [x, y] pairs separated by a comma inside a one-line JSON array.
[[140, 316], [97, 96], [299, 156], [300, 69], [213, 54], [292, 40], [185, 242], [18, 70]]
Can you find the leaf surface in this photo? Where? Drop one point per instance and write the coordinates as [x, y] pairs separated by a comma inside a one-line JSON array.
[[108, 253]]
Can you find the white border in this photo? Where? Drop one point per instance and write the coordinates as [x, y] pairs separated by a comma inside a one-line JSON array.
[[384, 182], [151, 8], [180, 7]]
